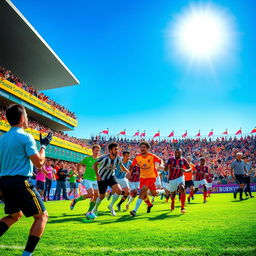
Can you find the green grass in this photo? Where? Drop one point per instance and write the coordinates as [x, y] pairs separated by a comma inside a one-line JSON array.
[[220, 227]]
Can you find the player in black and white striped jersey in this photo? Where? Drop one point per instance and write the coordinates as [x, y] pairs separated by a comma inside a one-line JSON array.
[[105, 168]]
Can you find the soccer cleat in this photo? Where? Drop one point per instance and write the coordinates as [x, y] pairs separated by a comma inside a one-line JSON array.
[[189, 200], [113, 213], [246, 194], [133, 213], [234, 195], [127, 207], [149, 208], [241, 199], [72, 205], [119, 208], [205, 201], [183, 210], [192, 197], [251, 196]]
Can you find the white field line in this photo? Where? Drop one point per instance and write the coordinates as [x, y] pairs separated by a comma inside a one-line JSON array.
[[158, 249]]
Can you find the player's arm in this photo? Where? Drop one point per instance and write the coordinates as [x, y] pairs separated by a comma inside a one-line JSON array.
[[232, 172], [95, 167], [124, 169], [134, 162], [186, 167]]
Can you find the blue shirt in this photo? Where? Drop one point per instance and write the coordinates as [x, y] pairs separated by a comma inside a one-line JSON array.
[[15, 148], [119, 173], [239, 167]]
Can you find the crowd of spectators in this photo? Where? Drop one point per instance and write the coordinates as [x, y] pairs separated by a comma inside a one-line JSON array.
[[36, 125], [8, 75], [218, 153]]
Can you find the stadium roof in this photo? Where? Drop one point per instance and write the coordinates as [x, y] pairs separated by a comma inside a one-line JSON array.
[[27, 55]]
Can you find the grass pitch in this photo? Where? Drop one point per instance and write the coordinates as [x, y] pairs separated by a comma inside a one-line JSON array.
[[220, 227]]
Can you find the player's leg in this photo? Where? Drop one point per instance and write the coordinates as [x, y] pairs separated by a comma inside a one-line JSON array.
[[182, 196], [116, 188], [143, 195], [94, 198], [191, 190], [173, 186], [134, 186], [248, 187], [102, 185], [125, 192], [9, 220]]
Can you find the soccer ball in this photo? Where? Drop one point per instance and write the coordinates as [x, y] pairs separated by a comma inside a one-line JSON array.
[[90, 216]]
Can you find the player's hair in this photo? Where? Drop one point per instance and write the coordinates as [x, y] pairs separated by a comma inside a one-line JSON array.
[[112, 145], [239, 153], [178, 149], [96, 146], [202, 158], [14, 113], [144, 143], [126, 152]]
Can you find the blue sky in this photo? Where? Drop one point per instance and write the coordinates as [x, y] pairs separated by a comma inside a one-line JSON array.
[[131, 78]]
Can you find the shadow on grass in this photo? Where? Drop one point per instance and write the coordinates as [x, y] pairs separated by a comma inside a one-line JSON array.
[[239, 201]]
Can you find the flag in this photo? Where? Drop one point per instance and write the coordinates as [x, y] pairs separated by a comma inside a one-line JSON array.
[[171, 134], [184, 135], [122, 133], [254, 130], [136, 134], [199, 134], [156, 135], [143, 134], [239, 131], [225, 132], [104, 131], [210, 133]]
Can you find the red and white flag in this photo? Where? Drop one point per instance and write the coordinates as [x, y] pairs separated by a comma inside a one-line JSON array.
[[198, 134], [122, 133], [210, 133], [225, 132], [156, 135], [184, 135], [143, 134], [239, 131], [171, 134], [136, 134], [254, 130], [104, 131]]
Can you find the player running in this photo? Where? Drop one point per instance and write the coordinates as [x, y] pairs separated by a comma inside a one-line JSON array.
[[146, 161], [176, 166], [122, 181], [134, 184], [209, 179], [189, 179], [89, 179], [200, 177], [105, 167]]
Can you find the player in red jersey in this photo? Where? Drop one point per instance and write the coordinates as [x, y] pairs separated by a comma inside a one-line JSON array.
[[200, 177], [134, 184], [209, 179], [148, 173], [176, 166]]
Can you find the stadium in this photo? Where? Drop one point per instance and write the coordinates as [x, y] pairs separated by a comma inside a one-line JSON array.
[[113, 191]]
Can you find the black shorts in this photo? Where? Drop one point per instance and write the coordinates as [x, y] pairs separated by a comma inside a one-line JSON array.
[[189, 183], [40, 184], [19, 195], [72, 185], [240, 179], [104, 184]]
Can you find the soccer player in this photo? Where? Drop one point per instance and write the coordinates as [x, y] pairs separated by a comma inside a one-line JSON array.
[[176, 166], [105, 174], [238, 171], [148, 173], [209, 179], [72, 180], [122, 180], [247, 179], [165, 181], [18, 153], [200, 177], [189, 179], [134, 184], [89, 178]]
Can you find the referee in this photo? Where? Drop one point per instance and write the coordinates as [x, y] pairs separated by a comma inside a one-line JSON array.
[[18, 153], [238, 171]]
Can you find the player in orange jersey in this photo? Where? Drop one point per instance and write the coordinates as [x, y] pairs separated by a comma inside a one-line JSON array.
[[148, 173]]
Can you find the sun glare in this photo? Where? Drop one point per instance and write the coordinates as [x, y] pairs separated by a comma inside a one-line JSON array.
[[201, 33]]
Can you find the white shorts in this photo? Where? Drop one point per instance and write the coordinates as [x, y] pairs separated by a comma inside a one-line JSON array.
[[123, 182], [134, 185], [166, 185], [197, 183], [89, 184], [174, 184], [158, 182], [209, 185]]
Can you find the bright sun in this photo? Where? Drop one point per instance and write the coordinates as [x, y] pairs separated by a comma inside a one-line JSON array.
[[201, 33]]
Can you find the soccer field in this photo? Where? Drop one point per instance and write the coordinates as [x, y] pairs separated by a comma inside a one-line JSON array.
[[220, 227]]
